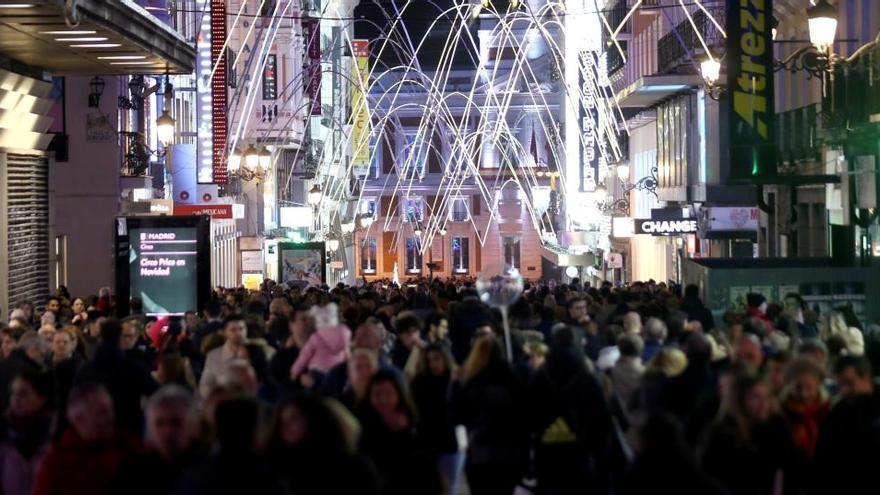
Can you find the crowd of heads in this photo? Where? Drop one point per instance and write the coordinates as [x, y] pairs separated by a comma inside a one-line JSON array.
[[380, 388]]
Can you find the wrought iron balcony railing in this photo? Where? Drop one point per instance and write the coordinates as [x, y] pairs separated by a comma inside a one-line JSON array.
[[675, 46], [135, 155]]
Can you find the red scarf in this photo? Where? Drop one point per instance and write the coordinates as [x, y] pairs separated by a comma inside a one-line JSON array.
[[804, 421]]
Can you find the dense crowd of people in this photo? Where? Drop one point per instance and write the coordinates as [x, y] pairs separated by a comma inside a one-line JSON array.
[[385, 389]]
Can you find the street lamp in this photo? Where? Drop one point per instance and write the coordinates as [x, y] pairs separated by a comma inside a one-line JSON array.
[[264, 158], [97, 89], [347, 227], [234, 161], [251, 157], [315, 195], [822, 20], [711, 70], [333, 245], [601, 190], [418, 232], [623, 171], [442, 232], [366, 221], [165, 127]]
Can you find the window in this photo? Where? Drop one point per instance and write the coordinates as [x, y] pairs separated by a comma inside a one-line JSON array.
[[415, 155], [460, 255], [413, 256], [367, 206], [270, 78], [413, 209], [368, 256], [511, 252], [459, 212]]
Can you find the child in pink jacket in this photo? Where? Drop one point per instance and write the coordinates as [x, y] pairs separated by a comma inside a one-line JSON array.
[[327, 347]]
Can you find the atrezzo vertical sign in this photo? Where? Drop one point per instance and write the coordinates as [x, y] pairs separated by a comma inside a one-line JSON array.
[[750, 90], [360, 118], [218, 89]]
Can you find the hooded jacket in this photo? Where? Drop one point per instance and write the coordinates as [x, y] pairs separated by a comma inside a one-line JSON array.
[[325, 349]]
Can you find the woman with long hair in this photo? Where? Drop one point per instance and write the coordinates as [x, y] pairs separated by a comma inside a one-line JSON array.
[[805, 405], [313, 448], [486, 400], [388, 418], [436, 432], [748, 447]]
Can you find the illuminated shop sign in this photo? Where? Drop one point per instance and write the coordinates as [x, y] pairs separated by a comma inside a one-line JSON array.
[[665, 227]]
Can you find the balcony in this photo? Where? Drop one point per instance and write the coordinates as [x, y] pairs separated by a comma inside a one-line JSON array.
[[851, 106], [797, 135], [135, 156], [677, 46]]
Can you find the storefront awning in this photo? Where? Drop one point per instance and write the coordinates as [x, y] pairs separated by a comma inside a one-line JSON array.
[[648, 91], [100, 37]]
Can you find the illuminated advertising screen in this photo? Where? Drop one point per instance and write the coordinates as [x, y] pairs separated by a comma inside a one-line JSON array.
[[302, 265], [164, 261]]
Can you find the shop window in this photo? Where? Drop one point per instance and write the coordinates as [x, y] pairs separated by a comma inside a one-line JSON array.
[[413, 256], [368, 256], [460, 255], [511, 252]]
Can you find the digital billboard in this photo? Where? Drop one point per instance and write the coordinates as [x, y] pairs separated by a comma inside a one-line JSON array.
[[302, 265], [164, 261]]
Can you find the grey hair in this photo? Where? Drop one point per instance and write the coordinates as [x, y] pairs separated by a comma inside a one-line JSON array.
[[655, 329], [172, 396], [31, 339]]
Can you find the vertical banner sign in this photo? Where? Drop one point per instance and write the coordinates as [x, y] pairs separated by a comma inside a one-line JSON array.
[[750, 90], [270, 78], [218, 89], [360, 119], [313, 49], [589, 118]]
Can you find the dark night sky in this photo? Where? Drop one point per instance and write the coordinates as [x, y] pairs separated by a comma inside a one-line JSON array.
[[417, 18]]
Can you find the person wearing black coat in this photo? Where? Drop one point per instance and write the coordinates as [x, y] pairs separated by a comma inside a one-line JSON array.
[[126, 381], [235, 468], [664, 463], [569, 419], [486, 401], [25, 358], [695, 309], [748, 448], [436, 431], [849, 439]]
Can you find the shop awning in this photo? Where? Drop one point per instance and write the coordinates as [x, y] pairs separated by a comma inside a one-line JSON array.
[[100, 37], [648, 91]]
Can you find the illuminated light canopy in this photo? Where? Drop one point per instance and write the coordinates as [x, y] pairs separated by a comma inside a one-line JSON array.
[[96, 45], [123, 57], [70, 33], [85, 38]]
